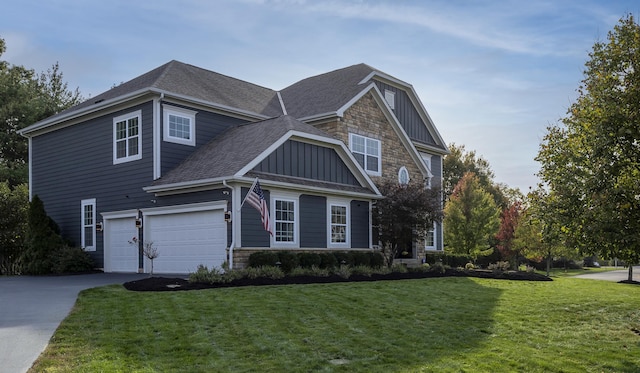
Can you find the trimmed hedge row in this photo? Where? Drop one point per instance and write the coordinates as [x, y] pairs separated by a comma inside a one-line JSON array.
[[288, 260]]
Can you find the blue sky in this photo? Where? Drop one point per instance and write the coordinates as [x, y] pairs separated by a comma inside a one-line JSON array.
[[493, 74]]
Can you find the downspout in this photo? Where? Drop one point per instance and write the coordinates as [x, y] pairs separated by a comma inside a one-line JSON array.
[[233, 231]]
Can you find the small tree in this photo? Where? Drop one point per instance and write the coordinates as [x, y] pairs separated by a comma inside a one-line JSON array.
[[148, 250], [43, 240], [509, 218], [404, 215], [471, 218]]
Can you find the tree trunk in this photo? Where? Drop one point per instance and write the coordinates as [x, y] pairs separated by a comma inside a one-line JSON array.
[[630, 272], [548, 264]]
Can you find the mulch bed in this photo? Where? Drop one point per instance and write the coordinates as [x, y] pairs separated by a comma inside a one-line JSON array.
[[181, 284]]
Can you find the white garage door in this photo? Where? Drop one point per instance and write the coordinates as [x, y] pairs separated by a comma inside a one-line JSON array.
[[121, 256], [186, 240]]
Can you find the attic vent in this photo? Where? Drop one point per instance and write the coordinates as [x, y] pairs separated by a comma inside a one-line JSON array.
[[390, 97], [98, 101]]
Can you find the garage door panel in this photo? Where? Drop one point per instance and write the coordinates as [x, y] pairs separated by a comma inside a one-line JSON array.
[[123, 257], [186, 240]]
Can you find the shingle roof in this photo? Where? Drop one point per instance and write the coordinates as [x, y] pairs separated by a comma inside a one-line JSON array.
[[228, 153], [192, 81], [325, 93]]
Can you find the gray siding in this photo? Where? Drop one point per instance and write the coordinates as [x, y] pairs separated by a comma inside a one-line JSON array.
[[298, 159], [208, 126], [253, 234], [76, 163], [408, 115], [313, 221], [360, 224]]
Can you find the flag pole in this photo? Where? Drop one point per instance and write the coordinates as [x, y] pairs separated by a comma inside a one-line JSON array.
[[247, 195]]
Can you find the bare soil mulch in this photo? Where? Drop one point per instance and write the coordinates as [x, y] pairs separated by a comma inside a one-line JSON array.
[[182, 284]]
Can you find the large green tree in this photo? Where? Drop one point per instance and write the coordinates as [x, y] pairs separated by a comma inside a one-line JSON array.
[[591, 163], [25, 98], [461, 161], [471, 218]]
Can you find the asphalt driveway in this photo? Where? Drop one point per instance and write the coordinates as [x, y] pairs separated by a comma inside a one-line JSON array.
[[616, 276], [31, 308]]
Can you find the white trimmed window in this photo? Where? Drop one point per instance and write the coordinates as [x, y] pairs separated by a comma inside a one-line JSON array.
[[88, 219], [430, 238], [367, 152], [427, 161], [127, 137], [285, 221], [179, 125], [403, 176], [390, 97], [338, 224]]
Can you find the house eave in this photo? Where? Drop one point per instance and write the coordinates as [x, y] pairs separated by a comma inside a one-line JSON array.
[[167, 95], [209, 184]]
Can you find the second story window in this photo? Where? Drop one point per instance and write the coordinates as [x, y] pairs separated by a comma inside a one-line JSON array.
[[367, 152], [179, 125], [127, 137]]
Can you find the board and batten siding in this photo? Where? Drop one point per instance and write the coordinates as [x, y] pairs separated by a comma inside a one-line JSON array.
[[313, 221], [253, 233], [76, 162], [309, 161], [208, 126], [408, 116]]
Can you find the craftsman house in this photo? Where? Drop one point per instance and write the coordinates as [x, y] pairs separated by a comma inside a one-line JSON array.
[[170, 156]]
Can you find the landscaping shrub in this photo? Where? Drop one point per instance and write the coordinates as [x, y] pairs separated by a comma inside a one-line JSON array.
[[69, 259], [308, 260], [213, 276], [328, 260], [43, 239], [343, 271], [469, 266], [344, 257], [263, 258], [271, 272], [288, 261], [449, 259], [437, 267], [362, 270], [377, 259], [361, 258], [499, 266], [315, 271]]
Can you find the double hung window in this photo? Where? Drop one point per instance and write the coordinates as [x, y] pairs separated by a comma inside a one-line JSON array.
[[127, 137], [367, 152], [88, 224]]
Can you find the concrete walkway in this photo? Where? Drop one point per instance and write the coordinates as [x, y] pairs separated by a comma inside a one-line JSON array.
[[616, 276], [31, 308]]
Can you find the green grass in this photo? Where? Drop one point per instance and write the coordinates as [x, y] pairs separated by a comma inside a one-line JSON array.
[[431, 325]]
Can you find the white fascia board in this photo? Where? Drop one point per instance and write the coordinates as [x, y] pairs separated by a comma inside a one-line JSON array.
[[413, 96], [192, 207], [184, 187], [319, 117], [355, 99], [119, 214], [266, 184], [52, 121]]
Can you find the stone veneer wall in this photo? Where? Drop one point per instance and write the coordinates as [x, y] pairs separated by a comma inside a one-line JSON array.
[[367, 119]]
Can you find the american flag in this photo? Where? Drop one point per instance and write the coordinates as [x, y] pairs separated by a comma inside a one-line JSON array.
[[255, 197]]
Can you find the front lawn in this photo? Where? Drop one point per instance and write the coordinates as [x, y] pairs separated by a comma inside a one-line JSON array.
[[432, 325]]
